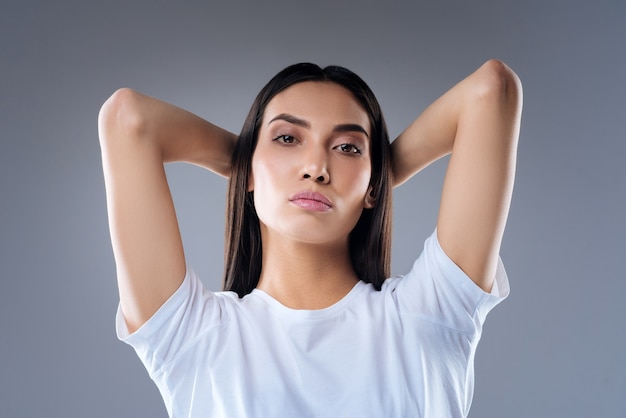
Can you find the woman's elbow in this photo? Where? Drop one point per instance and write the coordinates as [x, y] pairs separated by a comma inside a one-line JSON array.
[[497, 81], [120, 116]]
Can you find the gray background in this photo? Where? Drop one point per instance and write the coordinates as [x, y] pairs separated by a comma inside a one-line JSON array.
[[553, 349]]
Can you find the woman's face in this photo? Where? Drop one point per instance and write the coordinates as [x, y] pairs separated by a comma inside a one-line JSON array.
[[311, 167]]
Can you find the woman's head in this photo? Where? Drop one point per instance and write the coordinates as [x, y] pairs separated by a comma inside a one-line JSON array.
[[369, 241]]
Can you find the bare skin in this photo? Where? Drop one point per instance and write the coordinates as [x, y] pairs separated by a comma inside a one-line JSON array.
[[309, 141], [138, 135], [477, 121]]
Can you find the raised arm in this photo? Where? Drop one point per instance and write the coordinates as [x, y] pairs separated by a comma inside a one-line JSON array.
[[478, 121], [138, 134]]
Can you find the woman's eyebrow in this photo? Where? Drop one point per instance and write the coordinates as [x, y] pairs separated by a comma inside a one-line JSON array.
[[351, 127], [344, 127], [291, 119]]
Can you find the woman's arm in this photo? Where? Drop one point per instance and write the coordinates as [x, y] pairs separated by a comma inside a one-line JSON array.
[[137, 135], [478, 121]]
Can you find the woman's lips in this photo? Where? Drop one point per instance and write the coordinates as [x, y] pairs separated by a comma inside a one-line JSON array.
[[311, 201]]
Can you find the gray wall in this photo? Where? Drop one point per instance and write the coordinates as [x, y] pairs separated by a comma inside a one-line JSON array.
[[553, 349]]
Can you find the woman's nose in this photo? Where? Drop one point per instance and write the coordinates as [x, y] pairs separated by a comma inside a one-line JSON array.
[[315, 168], [322, 178]]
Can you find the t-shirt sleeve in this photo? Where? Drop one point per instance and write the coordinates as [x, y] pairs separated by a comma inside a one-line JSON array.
[[438, 290], [189, 313]]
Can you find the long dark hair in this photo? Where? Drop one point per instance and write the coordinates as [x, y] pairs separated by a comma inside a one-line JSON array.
[[370, 240]]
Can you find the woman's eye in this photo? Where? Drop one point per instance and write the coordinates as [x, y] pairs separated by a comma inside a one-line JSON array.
[[285, 139], [349, 148]]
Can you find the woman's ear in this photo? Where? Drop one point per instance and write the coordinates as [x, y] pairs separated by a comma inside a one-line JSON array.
[[369, 200]]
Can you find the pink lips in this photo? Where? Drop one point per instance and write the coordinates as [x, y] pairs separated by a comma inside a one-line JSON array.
[[311, 201]]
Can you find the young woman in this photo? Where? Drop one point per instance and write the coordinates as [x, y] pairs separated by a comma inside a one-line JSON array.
[[309, 324]]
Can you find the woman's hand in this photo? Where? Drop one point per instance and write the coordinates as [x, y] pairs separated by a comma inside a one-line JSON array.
[[478, 121]]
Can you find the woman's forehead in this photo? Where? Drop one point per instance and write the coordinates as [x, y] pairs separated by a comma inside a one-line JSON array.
[[318, 101]]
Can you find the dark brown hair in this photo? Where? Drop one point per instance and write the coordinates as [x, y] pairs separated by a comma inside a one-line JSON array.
[[370, 240]]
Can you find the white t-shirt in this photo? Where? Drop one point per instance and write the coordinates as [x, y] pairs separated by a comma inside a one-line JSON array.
[[405, 351]]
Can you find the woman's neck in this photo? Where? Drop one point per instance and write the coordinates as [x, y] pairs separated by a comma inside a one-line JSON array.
[[306, 276]]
